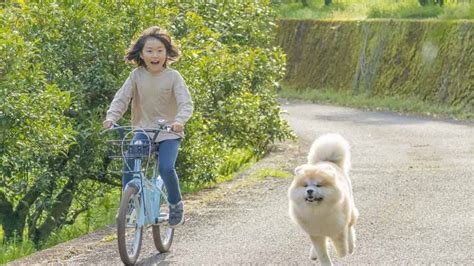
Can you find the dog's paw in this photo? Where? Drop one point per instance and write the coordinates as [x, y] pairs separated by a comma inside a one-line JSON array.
[[312, 254]]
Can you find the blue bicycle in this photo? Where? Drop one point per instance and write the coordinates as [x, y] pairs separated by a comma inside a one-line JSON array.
[[144, 199]]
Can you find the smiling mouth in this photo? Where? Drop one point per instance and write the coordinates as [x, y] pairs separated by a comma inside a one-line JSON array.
[[155, 62], [313, 199]]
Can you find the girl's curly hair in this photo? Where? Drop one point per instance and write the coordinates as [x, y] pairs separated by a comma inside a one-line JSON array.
[[133, 53]]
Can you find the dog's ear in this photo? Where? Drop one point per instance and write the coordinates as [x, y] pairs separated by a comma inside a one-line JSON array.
[[299, 170], [329, 170]]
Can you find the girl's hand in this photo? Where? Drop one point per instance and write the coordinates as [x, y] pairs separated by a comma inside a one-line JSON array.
[[177, 127], [107, 124]]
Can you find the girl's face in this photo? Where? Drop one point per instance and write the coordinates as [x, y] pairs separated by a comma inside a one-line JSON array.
[[154, 55]]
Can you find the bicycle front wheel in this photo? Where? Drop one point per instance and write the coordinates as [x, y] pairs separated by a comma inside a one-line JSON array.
[[162, 233], [129, 234]]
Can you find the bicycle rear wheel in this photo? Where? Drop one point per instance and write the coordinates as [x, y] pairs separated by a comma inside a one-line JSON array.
[[129, 235], [162, 233]]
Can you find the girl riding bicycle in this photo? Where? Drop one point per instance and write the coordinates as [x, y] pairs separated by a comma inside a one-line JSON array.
[[157, 93]]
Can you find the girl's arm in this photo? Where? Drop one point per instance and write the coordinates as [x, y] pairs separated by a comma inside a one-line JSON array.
[[122, 98], [183, 99]]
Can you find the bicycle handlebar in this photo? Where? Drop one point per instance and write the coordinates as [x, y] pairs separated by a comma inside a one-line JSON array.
[[123, 129]]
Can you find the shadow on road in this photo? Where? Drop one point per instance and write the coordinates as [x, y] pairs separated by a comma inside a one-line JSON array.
[[156, 259], [382, 118]]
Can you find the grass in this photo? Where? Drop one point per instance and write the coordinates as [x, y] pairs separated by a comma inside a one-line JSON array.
[[408, 105], [270, 172], [236, 161], [101, 215], [368, 9], [296, 10], [260, 175], [15, 249], [109, 238]]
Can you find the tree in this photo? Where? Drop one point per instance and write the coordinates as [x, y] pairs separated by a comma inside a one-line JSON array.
[[327, 2]]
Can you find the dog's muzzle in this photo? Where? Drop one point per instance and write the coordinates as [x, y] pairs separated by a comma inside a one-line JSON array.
[[312, 196]]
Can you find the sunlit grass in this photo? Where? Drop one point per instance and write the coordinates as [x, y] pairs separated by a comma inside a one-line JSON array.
[[109, 238], [14, 249], [409, 105], [462, 11], [235, 162], [358, 10], [268, 172], [102, 214], [405, 11], [296, 10]]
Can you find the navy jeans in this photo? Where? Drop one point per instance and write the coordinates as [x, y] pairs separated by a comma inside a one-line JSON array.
[[168, 152]]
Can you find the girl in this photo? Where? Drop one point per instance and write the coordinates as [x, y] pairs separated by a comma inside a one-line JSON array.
[[157, 92]]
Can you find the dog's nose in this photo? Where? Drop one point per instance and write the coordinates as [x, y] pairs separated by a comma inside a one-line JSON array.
[[310, 191]]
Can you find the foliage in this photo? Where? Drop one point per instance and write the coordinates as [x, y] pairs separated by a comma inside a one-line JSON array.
[[14, 248], [354, 9], [103, 213], [62, 62]]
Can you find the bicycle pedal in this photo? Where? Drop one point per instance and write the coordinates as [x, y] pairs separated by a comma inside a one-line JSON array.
[[162, 220]]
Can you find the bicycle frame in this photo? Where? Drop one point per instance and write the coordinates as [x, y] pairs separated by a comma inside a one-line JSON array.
[[142, 196], [150, 191]]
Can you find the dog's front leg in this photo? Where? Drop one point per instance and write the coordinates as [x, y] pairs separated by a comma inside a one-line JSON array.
[[352, 239], [340, 242], [319, 250], [352, 233]]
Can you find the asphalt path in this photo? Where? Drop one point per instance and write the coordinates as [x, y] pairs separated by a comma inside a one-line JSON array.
[[413, 183], [413, 186]]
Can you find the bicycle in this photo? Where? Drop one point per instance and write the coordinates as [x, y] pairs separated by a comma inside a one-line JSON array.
[[144, 199]]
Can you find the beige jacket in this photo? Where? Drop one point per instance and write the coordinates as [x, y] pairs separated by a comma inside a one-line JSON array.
[[154, 97]]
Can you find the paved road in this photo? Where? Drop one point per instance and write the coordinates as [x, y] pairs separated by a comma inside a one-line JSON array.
[[413, 185], [413, 181]]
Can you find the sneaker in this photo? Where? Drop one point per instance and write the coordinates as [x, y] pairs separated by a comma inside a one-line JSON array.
[[176, 214]]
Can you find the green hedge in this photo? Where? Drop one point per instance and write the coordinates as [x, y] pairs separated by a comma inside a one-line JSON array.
[[431, 60]]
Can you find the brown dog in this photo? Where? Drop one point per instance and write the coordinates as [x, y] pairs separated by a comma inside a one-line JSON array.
[[320, 198]]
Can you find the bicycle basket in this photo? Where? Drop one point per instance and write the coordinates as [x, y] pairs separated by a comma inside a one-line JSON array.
[[125, 150]]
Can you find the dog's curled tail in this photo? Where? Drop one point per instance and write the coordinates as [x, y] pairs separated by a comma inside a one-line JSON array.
[[333, 148]]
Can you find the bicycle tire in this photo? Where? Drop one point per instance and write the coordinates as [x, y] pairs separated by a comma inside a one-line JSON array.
[[129, 205], [162, 235]]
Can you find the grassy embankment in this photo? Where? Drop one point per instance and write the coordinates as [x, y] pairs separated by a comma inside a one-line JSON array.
[[334, 83], [406, 105], [357, 9]]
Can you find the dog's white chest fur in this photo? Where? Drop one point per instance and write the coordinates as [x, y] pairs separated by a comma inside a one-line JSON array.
[[319, 221]]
